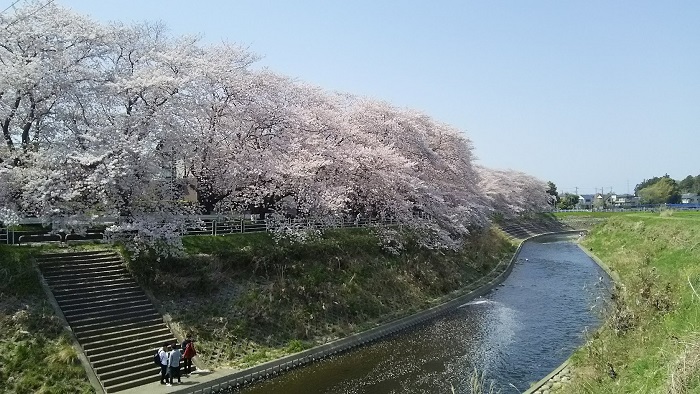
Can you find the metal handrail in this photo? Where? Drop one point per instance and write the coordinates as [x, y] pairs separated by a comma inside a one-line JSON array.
[[220, 225]]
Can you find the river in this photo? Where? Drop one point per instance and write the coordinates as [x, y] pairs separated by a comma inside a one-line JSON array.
[[515, 335]]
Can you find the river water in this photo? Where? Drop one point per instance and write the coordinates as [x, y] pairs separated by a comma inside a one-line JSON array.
[[516, 335]]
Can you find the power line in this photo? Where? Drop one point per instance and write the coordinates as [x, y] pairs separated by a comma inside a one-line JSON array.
[[10, 6], [30, 14]]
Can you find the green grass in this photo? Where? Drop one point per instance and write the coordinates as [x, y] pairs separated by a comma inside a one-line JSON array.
[[267, 299], [592, 214], [35, 352], [651, 337]]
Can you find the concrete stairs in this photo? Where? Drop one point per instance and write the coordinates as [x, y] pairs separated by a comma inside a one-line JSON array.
[[114, 321]]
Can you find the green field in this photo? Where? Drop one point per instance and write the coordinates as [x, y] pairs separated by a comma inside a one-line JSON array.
[[651, 340]]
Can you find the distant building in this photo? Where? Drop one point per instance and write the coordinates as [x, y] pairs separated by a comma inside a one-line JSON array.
[[585, 201], [690, 198], [624, 200]]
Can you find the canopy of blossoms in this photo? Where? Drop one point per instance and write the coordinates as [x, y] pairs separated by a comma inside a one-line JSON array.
[[124, 120]]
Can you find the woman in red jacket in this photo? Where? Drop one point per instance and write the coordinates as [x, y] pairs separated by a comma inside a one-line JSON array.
[[189, 352]]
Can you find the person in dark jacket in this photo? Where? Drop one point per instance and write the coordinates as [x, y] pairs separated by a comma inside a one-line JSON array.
[[188, 352]]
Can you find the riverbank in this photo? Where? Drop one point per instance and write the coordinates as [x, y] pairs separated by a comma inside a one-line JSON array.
[[650, 342], [433, 357], [246, 298], [249, 300]]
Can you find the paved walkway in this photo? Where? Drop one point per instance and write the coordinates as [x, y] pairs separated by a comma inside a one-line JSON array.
[[189, 383]]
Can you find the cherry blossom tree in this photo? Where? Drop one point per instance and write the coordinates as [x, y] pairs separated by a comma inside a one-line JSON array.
[[47, 54], [118, 120], [441, 195], [511, 193]]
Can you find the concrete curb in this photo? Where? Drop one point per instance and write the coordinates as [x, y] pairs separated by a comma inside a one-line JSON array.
[[540, 384], [616, 279], [275, 367]]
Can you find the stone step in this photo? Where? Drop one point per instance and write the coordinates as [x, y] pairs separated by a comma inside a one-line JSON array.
[[114, 310], [90, 282], [98, 303], [120, 358], [103, 300], [134, 382], [112, 316], [125, 331], [87, 267], [88, 325], [86, 273], [146, 362], [79, 263], [125, 337], [89, 332], [134, 343], [68, 297], [100, 278], [124, 354], [76, 254], [130, 368], [93, 288], [76, 262]]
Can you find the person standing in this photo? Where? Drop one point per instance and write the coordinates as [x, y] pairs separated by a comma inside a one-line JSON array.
[[188, 353], [174, 364], [163, 354]]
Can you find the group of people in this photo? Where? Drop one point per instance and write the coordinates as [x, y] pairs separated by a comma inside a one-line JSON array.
[[170, 356]]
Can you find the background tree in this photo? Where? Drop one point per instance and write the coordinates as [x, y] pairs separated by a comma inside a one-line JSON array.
[[690, 184], [648, 182], [552, 191], [568, 201], [665, 190]]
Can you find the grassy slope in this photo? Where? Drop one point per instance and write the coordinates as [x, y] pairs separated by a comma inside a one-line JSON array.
[[251, 300], [263, 300], [35, 352], [651, 338]]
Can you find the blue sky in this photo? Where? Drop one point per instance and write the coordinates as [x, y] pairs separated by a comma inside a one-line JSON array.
[[588, 94]]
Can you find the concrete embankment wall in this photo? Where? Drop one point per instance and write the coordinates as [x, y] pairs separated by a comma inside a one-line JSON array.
[[275, 367]]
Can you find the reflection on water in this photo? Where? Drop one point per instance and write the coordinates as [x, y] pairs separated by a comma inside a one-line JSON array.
[[516, 334]]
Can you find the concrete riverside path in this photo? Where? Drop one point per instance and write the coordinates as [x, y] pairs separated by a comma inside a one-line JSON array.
[[194, 381]]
